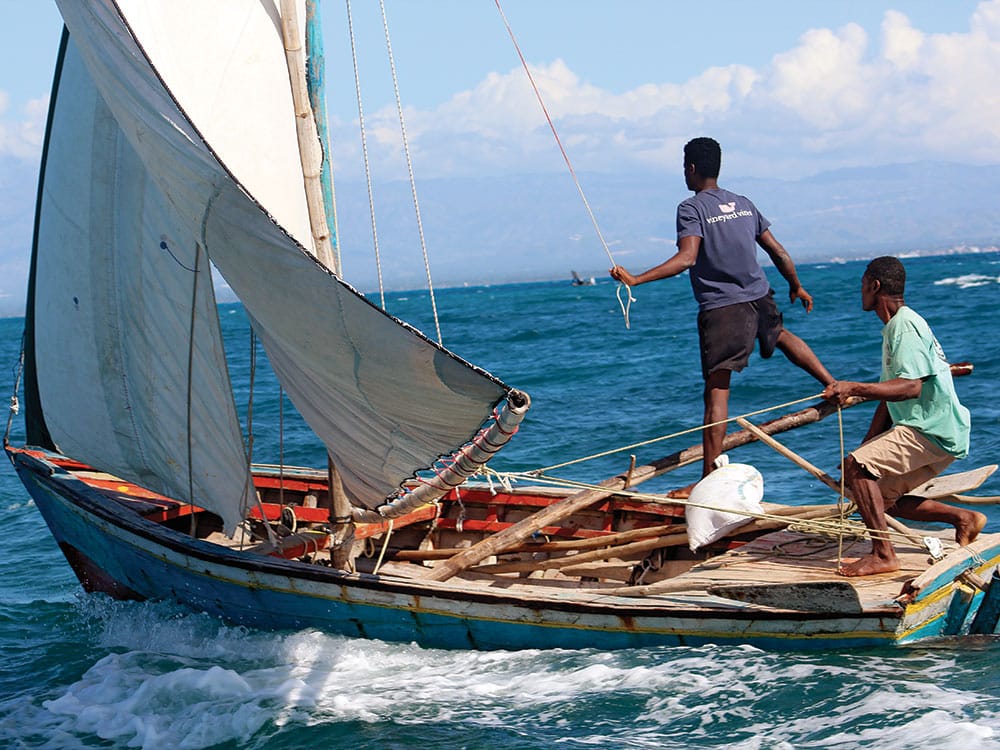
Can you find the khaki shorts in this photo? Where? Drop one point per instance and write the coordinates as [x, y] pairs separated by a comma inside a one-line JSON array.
[[901, 459]]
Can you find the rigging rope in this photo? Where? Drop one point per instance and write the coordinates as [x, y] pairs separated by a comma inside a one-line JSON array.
[[190, 385], [660, 439], [364, 152], [834, 526], [625, 305], [248, 486], [385, 546], [409, 167], [840, 499]]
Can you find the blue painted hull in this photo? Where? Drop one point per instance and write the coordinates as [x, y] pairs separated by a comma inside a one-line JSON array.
[[115, 550]]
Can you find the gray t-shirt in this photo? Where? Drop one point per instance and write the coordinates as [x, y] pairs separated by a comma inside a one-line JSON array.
[[727, 270]]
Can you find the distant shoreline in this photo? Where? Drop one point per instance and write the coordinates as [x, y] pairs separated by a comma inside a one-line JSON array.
[[224, 296]]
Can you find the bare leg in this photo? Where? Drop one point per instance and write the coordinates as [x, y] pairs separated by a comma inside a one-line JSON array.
[[868, 496], [799, 353], [967, 523], [716, 410]]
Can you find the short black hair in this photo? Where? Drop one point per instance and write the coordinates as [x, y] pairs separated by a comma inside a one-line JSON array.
[[705, 154], [889, 272]]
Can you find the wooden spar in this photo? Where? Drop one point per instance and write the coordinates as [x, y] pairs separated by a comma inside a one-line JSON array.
[[514, 535], [678, 538], [316, 84], [558, 546], [310, 153], [970, 499], [311, 158], [823, 476], [564, 545]]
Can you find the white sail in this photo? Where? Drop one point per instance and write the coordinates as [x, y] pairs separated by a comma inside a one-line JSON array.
[[115, 310], [193, 86]]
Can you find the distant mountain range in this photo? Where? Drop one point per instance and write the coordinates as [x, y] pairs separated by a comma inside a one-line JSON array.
[[529, 227]]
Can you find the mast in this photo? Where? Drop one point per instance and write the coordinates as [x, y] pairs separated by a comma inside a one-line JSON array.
[[310, 151], [316, 83], [310, 121]]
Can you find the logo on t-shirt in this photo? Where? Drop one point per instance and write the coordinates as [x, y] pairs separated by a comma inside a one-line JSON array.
[[729, 212]]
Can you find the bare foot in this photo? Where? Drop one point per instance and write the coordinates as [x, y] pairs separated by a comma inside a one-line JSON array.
[[968, 529], [869, 565], [683, 493]]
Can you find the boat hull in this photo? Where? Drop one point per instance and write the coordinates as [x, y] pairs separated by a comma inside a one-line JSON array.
[[116, 551]]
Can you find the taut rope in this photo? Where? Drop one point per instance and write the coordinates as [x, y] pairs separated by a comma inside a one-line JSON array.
[[409, 168], [672, 435], [836, 526], [625, 305], [364, 152]]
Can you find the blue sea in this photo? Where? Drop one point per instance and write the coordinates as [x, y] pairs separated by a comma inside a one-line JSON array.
[[85, 671]]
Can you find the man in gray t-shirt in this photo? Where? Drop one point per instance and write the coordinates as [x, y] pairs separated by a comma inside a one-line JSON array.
[[718, 233]]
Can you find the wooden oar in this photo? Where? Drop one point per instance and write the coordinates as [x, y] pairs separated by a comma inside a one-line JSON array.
[[550, 516]]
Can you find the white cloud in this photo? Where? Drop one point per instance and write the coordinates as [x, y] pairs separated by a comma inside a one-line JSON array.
[[838, 98], [21, 134], [901, 43]]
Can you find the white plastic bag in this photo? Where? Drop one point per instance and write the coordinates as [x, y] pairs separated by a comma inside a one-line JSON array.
[[731, 487]]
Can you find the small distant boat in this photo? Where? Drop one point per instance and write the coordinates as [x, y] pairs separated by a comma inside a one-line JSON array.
[[579, 281], [171, 143]]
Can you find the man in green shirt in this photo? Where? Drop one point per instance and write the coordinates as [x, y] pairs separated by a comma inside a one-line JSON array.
[[918, 429]]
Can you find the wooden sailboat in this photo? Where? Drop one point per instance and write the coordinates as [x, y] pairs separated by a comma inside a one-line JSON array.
[[157, 163]]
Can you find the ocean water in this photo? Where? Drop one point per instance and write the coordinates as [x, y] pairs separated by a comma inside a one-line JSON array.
[[84, 671]]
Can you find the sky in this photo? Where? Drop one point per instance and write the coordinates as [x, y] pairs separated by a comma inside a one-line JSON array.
[[788, 87], [791, 88]]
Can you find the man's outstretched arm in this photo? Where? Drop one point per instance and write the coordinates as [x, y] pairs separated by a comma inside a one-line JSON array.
[[682, 260]]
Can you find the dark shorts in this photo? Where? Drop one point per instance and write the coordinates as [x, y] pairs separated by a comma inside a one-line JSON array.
[[727, 334]]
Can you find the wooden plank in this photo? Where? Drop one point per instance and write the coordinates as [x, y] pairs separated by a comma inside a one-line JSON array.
[[954, 484], [811, 596], [550, 516], [786, 559]]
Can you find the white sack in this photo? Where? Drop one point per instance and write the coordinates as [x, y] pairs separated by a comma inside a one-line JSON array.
[[733, 487]]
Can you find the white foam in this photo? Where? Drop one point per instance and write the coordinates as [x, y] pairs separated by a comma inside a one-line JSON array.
[[969, 280], [166, 678]]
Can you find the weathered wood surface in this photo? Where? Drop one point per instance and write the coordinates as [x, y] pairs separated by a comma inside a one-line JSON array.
[[954, 484], [822, 476], [514, 535], [789, 559], [809, 596]]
